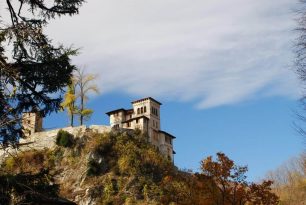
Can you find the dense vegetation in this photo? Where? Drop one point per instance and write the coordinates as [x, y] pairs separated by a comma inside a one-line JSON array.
[[64, 138], [123, 168]]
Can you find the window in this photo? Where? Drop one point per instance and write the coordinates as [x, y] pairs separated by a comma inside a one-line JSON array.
[[137, 121], [168, 140], [145, 109], [138, 110], [129, 124], [155, 136], [141, 109], [154, 111]]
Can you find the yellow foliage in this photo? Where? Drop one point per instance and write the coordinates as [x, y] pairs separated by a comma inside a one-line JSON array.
[[10, 163]]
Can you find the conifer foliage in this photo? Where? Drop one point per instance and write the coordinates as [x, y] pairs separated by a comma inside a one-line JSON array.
[[32, 70]]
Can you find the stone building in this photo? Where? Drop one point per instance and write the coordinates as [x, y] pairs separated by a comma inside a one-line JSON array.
[[145, 115], [31, 123]]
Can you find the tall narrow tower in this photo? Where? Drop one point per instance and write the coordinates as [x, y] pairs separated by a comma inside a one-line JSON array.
[[150, 108], [31, 123]]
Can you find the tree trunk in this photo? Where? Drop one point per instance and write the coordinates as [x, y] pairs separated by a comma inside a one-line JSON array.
[[82, 108], [71, 120]]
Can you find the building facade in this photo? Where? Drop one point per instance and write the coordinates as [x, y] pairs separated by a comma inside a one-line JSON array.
[[31, 123], [144, 115]]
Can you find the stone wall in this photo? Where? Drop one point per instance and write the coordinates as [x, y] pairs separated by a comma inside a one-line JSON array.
[[46, 139]]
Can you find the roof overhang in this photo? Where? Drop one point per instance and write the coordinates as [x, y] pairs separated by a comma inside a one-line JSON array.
[[148, 98], [115, 111], [135, 118], [166, 133]]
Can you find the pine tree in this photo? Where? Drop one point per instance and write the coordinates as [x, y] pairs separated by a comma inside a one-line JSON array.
[[38, 71]]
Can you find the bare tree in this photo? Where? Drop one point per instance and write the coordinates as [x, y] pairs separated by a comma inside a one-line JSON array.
[[290, 181], [84, 85]]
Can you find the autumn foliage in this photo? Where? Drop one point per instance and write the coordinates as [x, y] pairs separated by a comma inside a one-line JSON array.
[[123, 168], [227, 185]]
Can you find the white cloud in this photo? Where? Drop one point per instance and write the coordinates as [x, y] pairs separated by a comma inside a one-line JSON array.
[[216, 52]]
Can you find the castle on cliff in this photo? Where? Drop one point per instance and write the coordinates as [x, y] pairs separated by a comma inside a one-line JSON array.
[[144, 115]]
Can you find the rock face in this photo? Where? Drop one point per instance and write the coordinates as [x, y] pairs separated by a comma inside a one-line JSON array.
[[101, 166], [46, 139]]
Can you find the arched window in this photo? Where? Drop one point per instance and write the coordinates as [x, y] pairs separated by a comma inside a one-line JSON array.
[[141, 109], [138, 110], [145, 109]]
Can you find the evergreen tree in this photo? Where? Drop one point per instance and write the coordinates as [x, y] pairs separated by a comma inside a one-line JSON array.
[[35, 71]]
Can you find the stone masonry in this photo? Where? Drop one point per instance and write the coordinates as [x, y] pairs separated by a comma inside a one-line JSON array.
[[145, 115]]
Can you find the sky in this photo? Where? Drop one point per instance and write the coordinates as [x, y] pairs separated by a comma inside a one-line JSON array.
[[222, 69]]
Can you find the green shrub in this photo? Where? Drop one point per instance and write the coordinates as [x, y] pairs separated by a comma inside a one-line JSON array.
[[64, 139], [94, 168]]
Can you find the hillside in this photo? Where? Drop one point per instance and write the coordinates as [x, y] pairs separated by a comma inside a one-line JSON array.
[[121, 167], [109, 168]]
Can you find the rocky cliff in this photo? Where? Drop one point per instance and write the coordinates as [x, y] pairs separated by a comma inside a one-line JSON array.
[[117, 167]]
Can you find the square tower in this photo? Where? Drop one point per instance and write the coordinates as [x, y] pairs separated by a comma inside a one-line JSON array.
[[31, 123], [149, 108]]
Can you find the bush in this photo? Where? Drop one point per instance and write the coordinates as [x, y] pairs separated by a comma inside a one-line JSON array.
[[94, 168], [31, 161], [64, 139]]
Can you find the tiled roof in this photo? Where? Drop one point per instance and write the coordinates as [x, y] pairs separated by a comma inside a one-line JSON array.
[[115, 111], [166, 133], [129, 111], [135, 118], [148, 98]]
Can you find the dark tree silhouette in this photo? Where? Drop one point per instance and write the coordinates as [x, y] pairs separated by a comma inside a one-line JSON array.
[[26, 188], [35, 71]]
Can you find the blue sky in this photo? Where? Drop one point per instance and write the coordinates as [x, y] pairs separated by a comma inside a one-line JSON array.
[[258, 133], [223, 70]]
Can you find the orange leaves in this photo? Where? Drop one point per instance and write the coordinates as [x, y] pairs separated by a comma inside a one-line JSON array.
[[227, 183], [262, 194]]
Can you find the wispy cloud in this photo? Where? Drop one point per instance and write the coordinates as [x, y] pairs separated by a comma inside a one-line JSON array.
[[214, 52]]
